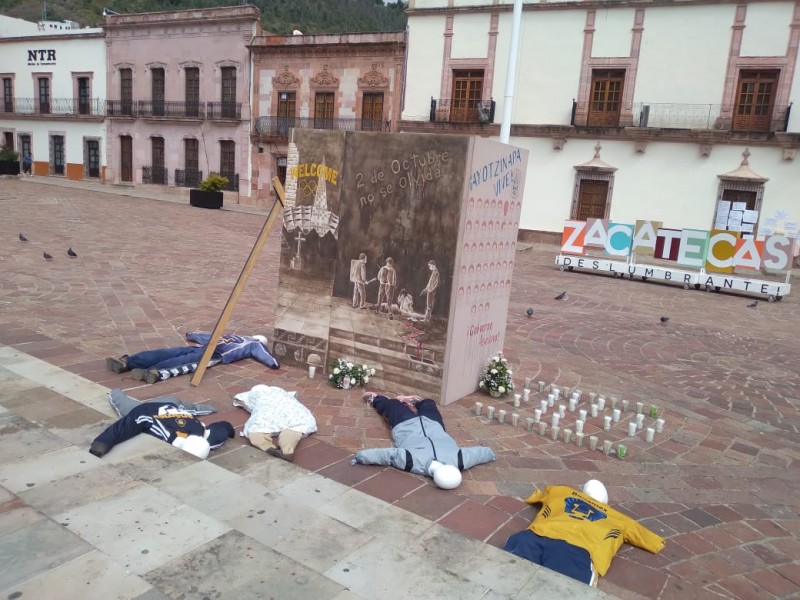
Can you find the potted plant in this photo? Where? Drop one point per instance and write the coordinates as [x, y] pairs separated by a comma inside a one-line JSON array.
[[209, 194], [9, 161]]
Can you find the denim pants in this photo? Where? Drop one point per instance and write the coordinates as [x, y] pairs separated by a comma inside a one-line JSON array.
[[395, 412], [166, 358]]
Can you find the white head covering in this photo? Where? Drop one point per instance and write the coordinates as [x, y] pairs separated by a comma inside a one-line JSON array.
[[193, 444], [260, 338], [446, 477], [596, 490]]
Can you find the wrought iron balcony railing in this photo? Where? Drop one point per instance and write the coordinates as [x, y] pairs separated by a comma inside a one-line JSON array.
[[171, 109], [188, 178], [57, 107], [155, 174], [223, 110], [279, 126], [233, 181], [675, 116], [451, 110]]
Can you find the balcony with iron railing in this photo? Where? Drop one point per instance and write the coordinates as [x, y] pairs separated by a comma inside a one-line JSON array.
[[170, 109], [155, 175], [53, 107], [279, 127], [188, 178], [673, 116], [458, 111]]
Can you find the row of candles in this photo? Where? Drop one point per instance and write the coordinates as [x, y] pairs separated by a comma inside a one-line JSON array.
[[597, 405]]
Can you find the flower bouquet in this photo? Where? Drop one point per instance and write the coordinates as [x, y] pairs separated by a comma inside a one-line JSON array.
[[496, 377], [345, 374]]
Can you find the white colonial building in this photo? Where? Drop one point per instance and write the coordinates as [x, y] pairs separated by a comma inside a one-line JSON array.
[[53, 88], [631, 110]]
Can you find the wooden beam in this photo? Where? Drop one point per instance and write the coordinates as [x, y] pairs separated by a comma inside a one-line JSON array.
[[222, 322]]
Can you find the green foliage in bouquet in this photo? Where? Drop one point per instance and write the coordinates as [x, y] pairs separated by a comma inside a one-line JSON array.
[[496, 378]]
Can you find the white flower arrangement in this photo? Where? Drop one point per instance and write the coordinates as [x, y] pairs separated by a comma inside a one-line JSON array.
[[496, 378], [356, 375]]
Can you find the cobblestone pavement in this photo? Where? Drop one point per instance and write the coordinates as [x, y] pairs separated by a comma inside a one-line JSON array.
[[720, 483]]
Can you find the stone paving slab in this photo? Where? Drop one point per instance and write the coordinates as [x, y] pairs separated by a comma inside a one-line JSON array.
[[722, 477]]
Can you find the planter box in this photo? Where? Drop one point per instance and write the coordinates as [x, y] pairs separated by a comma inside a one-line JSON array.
[[203, 199], [9, 167]]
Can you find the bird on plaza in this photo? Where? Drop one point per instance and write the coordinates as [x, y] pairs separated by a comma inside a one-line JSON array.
[[71, 253], [22, 238], [561, 296], [47, 256], [529, 312], [664, 320], [753, 305]]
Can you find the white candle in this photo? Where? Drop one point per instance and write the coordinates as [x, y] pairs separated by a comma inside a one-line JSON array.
[[554, 433], [579, 439], [478, 408], [659, 425], [615, 415], [601, 403], [582, 414], [543, 407], [632, 429], [490, 412], [542, 428], [567, 436], [624, 406], [501, 416], [527, 383], [607, 447], [562, 410], [517, 398], [579, 426], [515, 419], [551, 399], [639, 421], [312, 370], [526, 395], [593, 409], [592, 396], [541, 386], [614, 402], [607, 423], [639, 407], [593, 439], [537, 415], [530, 423], [346, 382], [573, 403], [649, 434], [575, 395], [555, 419]]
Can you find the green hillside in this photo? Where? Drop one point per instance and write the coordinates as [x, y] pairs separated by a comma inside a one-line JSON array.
[[277, 16]]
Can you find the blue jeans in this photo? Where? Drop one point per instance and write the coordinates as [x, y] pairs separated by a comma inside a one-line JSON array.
[[166, 358], [395, 412], [557, 555]]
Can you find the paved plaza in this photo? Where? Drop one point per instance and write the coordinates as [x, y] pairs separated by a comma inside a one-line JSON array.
[[721, 482]]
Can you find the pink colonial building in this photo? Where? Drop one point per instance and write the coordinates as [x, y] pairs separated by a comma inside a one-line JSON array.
[[178, 89], [351, 81]]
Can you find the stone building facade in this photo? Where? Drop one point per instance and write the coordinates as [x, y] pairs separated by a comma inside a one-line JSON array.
[[346, 82], [634, 110], [179, 97]]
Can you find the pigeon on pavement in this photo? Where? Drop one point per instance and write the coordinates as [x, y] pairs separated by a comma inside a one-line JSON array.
[[47, 256], [529, 312], [753, 305], [664, 319], [561, 296], [22, 238], [71, 253]]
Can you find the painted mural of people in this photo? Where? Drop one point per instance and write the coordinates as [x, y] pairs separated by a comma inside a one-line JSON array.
[[387, 281], [430, 289], [358, 275]]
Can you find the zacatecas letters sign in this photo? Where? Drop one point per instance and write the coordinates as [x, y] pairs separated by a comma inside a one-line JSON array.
[[716, 250]]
